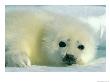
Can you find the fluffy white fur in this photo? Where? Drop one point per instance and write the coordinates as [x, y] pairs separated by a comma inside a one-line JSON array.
[[33, 38]]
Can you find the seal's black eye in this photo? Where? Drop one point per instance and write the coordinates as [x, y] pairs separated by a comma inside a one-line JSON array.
[[62, 44], [81, 47]]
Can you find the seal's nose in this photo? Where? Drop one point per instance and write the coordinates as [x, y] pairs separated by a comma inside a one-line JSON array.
[[69, 59]]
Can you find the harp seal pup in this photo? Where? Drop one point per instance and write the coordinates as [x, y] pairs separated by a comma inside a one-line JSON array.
[[43, 38]]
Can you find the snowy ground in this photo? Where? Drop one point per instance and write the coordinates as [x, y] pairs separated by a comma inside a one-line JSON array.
[[90, 14], [95, 68]]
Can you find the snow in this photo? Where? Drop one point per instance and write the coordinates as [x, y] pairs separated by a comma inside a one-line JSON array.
[[95, 16]]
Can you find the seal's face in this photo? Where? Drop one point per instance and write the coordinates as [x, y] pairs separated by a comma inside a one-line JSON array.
[[68, 46], [70, 58]]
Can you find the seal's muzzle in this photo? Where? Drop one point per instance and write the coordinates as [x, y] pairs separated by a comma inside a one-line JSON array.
[[69, 59]]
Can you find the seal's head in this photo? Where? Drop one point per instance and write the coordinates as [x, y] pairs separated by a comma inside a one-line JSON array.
[[67, 44]]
